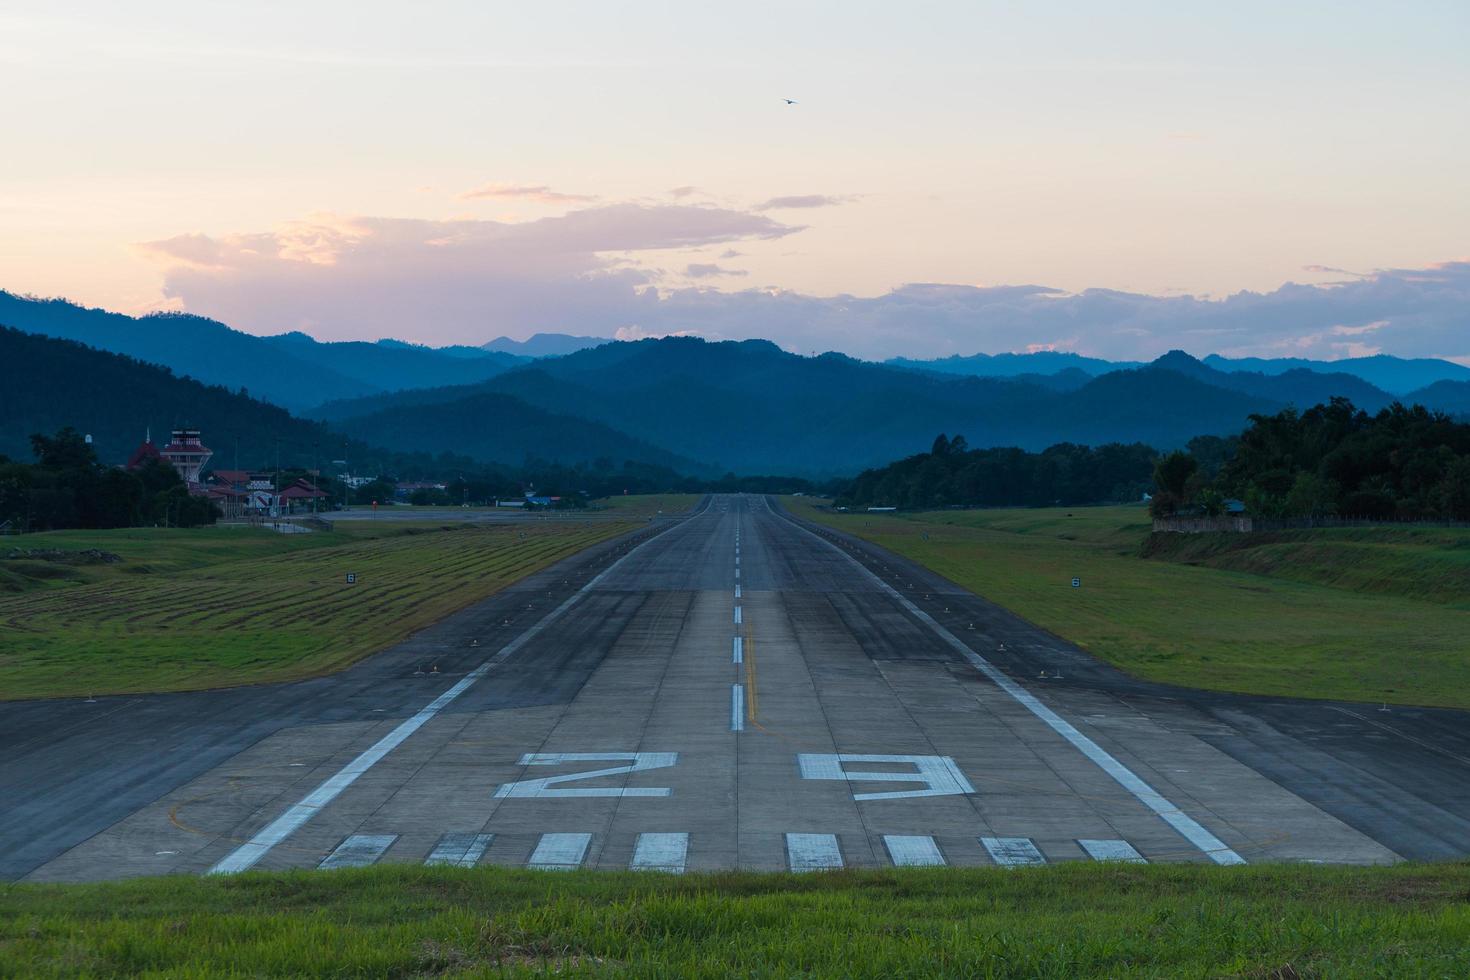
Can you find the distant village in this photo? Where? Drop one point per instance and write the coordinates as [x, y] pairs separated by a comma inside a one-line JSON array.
[[250, 494]]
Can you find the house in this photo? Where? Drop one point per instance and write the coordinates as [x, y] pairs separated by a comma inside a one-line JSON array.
[[301, 495]]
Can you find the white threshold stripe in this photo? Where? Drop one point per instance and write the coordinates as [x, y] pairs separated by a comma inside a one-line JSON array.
[[912, 852], [1112, 850], [459, 850], [358, 851], [559, 852], [1189, 828], [812, 852], [660, 852], [737, 708], [1012, 852], [738, 654], [247, 854]]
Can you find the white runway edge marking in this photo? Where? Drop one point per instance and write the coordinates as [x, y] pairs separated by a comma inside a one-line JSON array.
[[912, 852], [459, 850], [737, 615], [559, 852], [1012, 852], [737, 707], [358, 851], [738, 654], [1112, 850], [1186, 825], [812, 852], [660, 852], [247, 854]]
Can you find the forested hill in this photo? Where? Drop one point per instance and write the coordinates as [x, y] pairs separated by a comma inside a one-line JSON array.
[[291, 370], [46, 385], [751, 407], [493, 427]]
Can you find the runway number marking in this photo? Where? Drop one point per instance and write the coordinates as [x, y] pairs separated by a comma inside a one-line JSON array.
[[541, 788], [938, 773]]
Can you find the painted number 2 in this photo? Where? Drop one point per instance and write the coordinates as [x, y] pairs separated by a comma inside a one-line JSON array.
[[541, 787], [938, 773]]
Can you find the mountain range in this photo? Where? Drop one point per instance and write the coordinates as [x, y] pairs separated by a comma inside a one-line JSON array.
[[292, 370], [701, 407]]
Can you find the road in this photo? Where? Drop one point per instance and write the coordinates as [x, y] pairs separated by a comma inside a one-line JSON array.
[[734, 689]]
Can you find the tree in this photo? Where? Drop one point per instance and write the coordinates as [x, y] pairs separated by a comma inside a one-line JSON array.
[[1172, 473]]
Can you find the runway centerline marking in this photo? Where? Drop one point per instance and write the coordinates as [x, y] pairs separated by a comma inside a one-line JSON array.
[[247, 854], [1187, 826], [737, 708]]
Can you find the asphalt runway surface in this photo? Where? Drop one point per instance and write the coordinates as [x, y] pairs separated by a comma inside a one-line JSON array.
[[729, 689]]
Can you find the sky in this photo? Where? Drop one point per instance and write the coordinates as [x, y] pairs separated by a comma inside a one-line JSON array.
[[1117, 179]]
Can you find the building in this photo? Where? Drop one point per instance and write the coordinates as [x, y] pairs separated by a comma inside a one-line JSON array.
[[186, 454], [300, 495], [143, 453]]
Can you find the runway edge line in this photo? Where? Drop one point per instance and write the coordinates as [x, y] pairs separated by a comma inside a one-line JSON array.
[[247, 854], [1189, 828]]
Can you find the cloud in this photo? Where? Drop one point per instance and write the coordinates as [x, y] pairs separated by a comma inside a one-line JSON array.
[[709, 270], [539, 193], [444, 281], [684, 191], [599, 269], [731, 253], [801, 201]]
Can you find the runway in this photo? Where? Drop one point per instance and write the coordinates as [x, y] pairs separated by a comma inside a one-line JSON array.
[[730, 690]]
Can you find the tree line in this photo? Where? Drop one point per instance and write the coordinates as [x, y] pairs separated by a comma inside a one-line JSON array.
[[1403, 463], [68, 487]]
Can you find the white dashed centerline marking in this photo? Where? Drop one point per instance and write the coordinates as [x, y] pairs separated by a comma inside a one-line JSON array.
[[737, 651], [737, 708]]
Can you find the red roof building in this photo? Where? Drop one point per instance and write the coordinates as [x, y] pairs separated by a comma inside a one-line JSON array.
[[186, 454], [143, 453]]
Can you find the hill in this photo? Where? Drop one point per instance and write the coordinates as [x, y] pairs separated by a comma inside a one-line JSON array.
[[751, 407], [396, 365], [497, 428], [1012, 365], [291, 370], [1392, 374], [545, 344], [46, 384]]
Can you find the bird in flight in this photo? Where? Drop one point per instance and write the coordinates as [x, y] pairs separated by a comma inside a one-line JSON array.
[[789, 101]]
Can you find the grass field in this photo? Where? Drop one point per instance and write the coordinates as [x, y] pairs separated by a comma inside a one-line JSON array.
[[213, 607], [648, 504], [1361, 614], [1079, 920]]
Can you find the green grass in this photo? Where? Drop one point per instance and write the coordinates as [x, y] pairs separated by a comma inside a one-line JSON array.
[[1077, 920], [1358, 614], [213, 607], [648, 504]]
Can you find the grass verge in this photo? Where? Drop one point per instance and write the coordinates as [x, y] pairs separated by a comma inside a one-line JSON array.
[[1076, 920], [1356, 614], [213, 607]]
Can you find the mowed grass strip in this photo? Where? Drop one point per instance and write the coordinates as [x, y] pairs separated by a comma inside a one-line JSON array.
[[213, 607], [1076, 920], [649, 504], [1354, 614]]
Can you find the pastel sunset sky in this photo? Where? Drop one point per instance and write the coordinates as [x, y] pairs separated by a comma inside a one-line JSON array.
[[1117, 179]]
